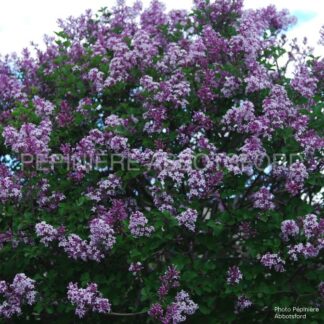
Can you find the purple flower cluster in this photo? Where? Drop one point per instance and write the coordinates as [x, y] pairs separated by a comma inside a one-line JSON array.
[[278, 110], [96, 78], [289, 228], [263, 199], [308, 250], [43, 108], [114, 121], [258, 78], [304, 83], [297, 174], [188, 219], [10, 188], [106, 188], [101, 240], [169, 280], [11, 89], [178, 311], [273, 261], [311, 225], [180, 308], [77, 248], [138, 225], [15, 295], [238, 118], [135, 268], [246, 230], [5, 237], [234, 275], [312, 229], [242, 303], [48, 200], [86, 299], [101, 234], [30, 139], [48, 233], [173, 91], [115, 214]]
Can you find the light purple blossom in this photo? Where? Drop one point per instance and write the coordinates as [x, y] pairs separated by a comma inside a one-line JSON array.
[[176, 312], [188, 219], [29, 139], [289, 228], [169, 280], [21, 291], [308, 250], [87, 299], [297, 174], [238, 118], [242, 303], [47, 233], [10, 188], [310, 225], [114, 121], [263, 199], [101, 234], [304, 83], [135, 268], [273, 261], [234, 275], [182, 306], [44, 108], [138, 225], [77, 248]]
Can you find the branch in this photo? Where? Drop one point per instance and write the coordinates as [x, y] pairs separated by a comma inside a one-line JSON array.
[[127, 314]]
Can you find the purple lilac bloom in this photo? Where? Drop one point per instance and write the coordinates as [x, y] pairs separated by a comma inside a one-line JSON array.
[[86, 299], [297, 174], [310, 225], [289, 228], [308, 250], [15, 295], [188, 219], [175, 312], [242, 303], [263, 199], [10, 189], [101, 234], [43, 108], [273, 261], [304, 83], [77, 248], [182, 306], [135, 268], [29, 139], [156, 311], [169, 280], [138, 225], [234, 275], [47, 233]]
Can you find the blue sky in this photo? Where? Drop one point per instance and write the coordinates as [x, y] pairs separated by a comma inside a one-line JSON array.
[[304, 16], [23, 21]]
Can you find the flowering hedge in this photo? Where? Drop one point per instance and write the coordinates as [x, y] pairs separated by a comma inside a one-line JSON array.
[[162, 167]]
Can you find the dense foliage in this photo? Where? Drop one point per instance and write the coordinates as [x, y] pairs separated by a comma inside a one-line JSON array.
[[162, 167]]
